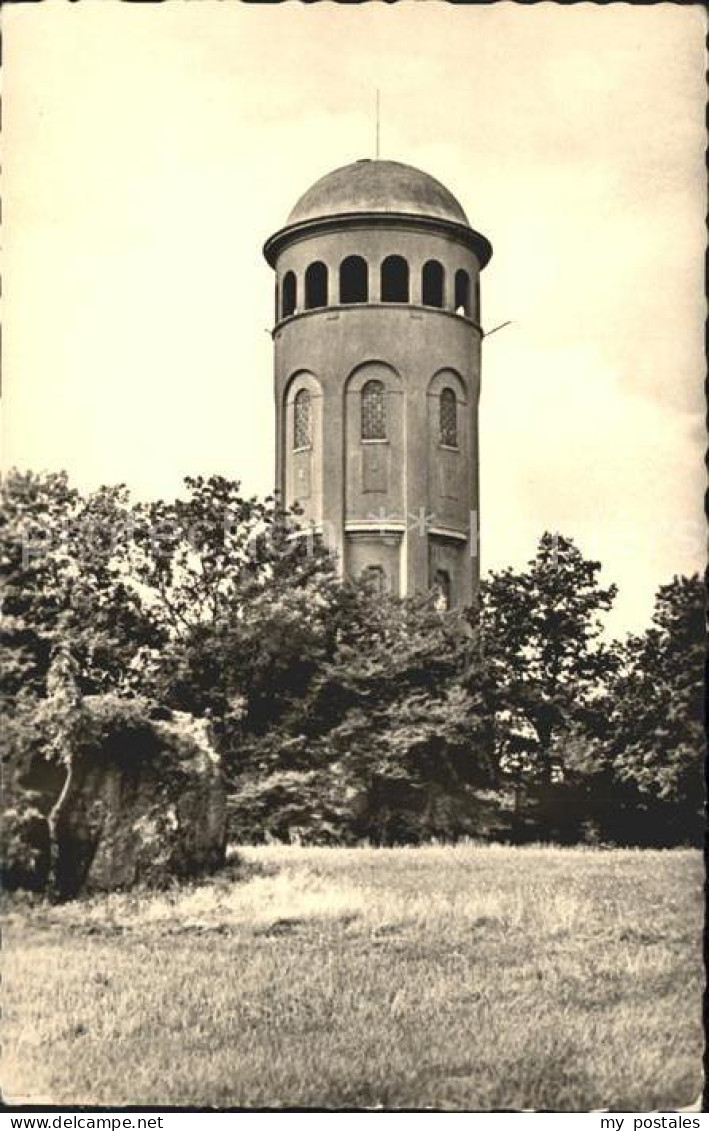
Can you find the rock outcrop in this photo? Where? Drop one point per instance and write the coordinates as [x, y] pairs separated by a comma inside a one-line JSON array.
[[143, 802]]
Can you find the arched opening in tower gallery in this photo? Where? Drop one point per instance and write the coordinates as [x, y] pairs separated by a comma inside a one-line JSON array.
[[432, 283], [354, 279], [315, 286], [289, 295], [462, 293], [395, 279]]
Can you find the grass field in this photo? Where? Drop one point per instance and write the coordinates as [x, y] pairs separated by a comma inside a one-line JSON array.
[[459, 978]]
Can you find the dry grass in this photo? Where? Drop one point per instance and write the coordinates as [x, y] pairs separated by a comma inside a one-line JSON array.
[[459, 978]]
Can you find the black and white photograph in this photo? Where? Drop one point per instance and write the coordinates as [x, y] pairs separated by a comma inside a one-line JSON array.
[[353, 559]]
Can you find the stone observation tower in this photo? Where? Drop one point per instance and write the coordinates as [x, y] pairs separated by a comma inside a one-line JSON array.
[[377, 375]]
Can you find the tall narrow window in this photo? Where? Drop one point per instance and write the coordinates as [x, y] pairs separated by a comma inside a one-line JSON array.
[[442, 591], [288, 298], [301, 419], [374, 423], [448, 409], [395, 279], [373, 577], [432, 283], [315, 286], [462, 293], [354, 279], [478, 308]]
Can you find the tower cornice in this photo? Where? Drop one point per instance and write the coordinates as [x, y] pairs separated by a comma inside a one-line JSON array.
[[293, 233]]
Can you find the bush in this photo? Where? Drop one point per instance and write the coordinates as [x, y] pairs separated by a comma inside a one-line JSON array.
[[26, 855], [303, 806]]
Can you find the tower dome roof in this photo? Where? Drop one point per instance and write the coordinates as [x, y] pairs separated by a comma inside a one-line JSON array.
[[377, 186]]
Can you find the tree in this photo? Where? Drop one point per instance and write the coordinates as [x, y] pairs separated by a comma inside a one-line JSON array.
[[548, 667], [340, 712], [203, 556], [62, 581], [142, 593], [656, 734], [391, 714], [199, 604], [238, 597]]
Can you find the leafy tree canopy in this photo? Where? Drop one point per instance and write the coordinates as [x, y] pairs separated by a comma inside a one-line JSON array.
[[548, 665]]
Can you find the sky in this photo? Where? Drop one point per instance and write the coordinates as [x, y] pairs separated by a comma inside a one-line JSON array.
[[149, 150]]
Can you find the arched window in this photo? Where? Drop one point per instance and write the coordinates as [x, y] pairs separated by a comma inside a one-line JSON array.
[[354, 279], [315, 286], [288, 298], [448, 414], [374, 421], [301, 419], [442, 591], [462, 293], [432, 283], [395, 279], [373, 577]]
